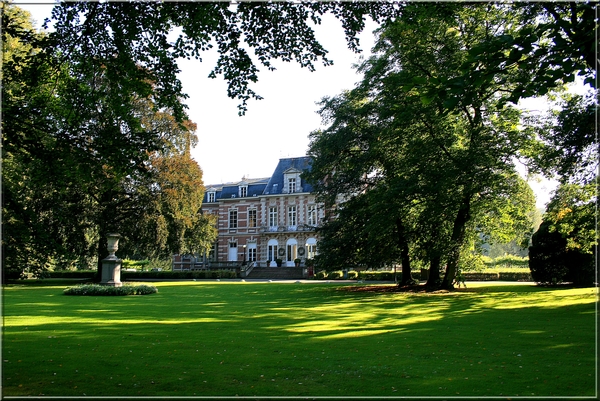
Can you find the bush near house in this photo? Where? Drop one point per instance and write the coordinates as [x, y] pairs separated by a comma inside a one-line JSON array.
[[179, 275], [159, 275]]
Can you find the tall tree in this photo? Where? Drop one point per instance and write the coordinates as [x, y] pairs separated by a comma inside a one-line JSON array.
[[445, 164]]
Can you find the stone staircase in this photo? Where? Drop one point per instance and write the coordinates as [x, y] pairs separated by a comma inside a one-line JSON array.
[[276, 273]]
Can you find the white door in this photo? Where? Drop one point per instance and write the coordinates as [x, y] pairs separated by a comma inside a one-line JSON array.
[[233, 252], [272, 252]]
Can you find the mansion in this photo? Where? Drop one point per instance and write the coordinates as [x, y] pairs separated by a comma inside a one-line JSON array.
[[265, 219]]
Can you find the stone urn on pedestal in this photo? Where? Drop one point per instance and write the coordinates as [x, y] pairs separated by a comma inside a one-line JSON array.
[[111, 265]]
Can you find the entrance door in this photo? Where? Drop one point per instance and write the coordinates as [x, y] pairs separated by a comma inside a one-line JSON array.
[[292, 252], [272, 251], [233, 252]]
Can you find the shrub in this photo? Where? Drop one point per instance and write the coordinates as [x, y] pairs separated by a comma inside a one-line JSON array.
[[379, 276], [471, 262], [335, 275], [515, 276], [507, 262], [321, 275], [105, 290], [352, 275], [552, 263], [134, 264]]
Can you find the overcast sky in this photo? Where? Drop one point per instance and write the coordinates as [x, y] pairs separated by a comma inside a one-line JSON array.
[[278, 126]]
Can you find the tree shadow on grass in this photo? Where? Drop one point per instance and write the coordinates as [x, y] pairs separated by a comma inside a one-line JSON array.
[[285, 339]]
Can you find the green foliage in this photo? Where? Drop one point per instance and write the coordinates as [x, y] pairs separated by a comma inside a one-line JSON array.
[[507, 262], [497, 276], [277, 30], [104, 290], [134, 264], [564, 247], [94, 130], [367, 275], [321, 275], [552, 262], [80, 274], [425, 155], [158, 264], [568, 130], [335, 275]]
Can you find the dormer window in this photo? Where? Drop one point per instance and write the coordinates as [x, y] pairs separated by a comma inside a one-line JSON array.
[[211, 197], [291, 181], [243, 191], [291, 185]]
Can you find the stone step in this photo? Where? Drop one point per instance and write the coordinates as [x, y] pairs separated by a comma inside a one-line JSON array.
[[280, 273]]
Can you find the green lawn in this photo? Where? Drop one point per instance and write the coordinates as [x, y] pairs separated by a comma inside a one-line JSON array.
[[287, 339]]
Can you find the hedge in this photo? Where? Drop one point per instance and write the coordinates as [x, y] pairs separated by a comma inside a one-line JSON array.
[[180, 275], [507, 276], [83, 274], [159, 275], [389, 276]]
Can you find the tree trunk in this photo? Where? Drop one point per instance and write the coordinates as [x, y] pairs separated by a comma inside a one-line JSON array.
[[433, 281], [458, 236], [404, 255]]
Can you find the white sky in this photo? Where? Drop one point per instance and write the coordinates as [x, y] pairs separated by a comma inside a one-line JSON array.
[[231, 146]]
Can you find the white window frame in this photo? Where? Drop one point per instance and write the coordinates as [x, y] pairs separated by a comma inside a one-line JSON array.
[[273, 216], [291, 185], [312, 215], [233, 218], [252, 216], [292, 216]]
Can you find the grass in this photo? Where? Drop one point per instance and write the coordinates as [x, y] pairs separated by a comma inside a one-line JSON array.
[[285, 339]]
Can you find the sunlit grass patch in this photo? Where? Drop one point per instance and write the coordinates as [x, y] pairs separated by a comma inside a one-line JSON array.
[[268, 339]]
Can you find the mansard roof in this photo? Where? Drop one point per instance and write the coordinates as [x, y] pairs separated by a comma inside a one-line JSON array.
[[263, 186], [289, 165]]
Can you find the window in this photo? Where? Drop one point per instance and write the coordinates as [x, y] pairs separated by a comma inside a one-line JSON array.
[[212, 253], [311, 251], [291, 185], [292, 250], [312, 215], [252, 218], [243, 192], [292, 216], [211, 196], [272, 216], [311, 248], [251, 254], [272, 250], [233, 218]]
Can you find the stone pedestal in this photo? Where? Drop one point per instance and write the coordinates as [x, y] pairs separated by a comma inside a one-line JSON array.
[[111, 266], [111, 272]]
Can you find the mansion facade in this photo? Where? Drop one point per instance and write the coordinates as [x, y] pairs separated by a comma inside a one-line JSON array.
[[265, 219]]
